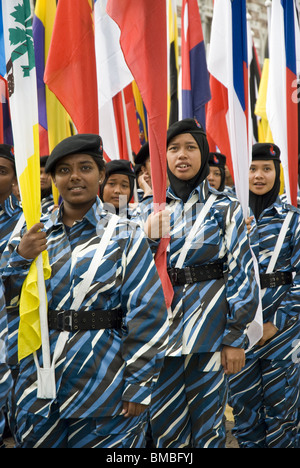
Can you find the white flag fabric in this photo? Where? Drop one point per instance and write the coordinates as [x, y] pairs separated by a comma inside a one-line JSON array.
[[113, 75], [282, 99]]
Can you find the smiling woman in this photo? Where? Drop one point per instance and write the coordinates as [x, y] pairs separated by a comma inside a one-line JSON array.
[[77, 179], [114, 340]]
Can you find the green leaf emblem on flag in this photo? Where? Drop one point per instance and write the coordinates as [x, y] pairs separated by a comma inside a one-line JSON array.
[[21, 37]]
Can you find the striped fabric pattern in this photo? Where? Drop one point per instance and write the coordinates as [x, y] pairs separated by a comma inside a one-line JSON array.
[[212, 313], [10, 213], [5, 375], [98, 368]]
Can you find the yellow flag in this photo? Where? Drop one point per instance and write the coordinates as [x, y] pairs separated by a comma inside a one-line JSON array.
[[21, 74], [264, 130], [29, 337]]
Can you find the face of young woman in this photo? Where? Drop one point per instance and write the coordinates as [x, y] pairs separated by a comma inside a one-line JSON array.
[[214, 177], [262, 176], [117, 186], [184, 156], [77, 179], [7, 178]]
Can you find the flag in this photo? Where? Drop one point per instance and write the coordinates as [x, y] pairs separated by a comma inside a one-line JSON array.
[[254, 77], [282, 104], [21, 77], [195, 78], [5, 120], [141, 114], [228, 64], [113, 76], [54, 122], [173, 63], [143, 26], [70, 71], [38, 29], [126, 124], [264, 132], [58, 122]]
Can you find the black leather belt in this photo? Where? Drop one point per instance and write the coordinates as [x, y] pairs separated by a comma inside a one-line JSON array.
[[71, 320], [195, 274], [278, 278]]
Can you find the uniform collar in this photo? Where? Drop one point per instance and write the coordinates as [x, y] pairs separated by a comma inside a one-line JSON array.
[[92, 216], [202, 191], [11, 205]]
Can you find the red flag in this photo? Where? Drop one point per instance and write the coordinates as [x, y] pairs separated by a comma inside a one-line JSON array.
[[216, 123], [143, 26], [70, 71]]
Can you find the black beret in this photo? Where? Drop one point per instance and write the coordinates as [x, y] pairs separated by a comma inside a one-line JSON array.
[[142, 155], [82, 143], [217, 159], [185, 126], [265, 151], [7, 152], [119, 166]]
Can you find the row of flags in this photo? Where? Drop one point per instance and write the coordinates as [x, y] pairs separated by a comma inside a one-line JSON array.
[[111, 67]]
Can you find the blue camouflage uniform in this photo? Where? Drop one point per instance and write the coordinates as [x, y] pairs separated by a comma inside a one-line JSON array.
[[98, 368], [206, 316], [265, 394], [5, 374], [10, 213]]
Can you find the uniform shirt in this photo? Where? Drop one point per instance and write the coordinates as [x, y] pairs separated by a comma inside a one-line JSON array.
[[5, 375], [98, 368], [281, 305], [10, 213], [212, 313]]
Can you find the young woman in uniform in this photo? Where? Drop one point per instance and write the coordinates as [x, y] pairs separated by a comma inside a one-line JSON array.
[[115, 331], [265, 394], [215, 296]]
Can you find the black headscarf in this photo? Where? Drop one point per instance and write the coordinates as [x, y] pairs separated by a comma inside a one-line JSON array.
[[265, 152], [218, 160], [183, 188], [119, 166]]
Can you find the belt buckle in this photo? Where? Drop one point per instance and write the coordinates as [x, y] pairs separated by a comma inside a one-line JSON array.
[[65, 320], [272, 278]]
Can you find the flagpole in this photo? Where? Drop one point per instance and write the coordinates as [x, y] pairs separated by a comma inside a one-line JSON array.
[[43, 313]]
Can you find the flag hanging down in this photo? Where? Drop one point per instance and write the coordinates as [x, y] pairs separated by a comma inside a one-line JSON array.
[[173, 103], [255, 76], [228, 64], [195, 78], [70, 71], [54, 117], [113, 76], [282, 98], [143, 26], [5, 120], [21, 77], [54, 122], [38, 29]]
